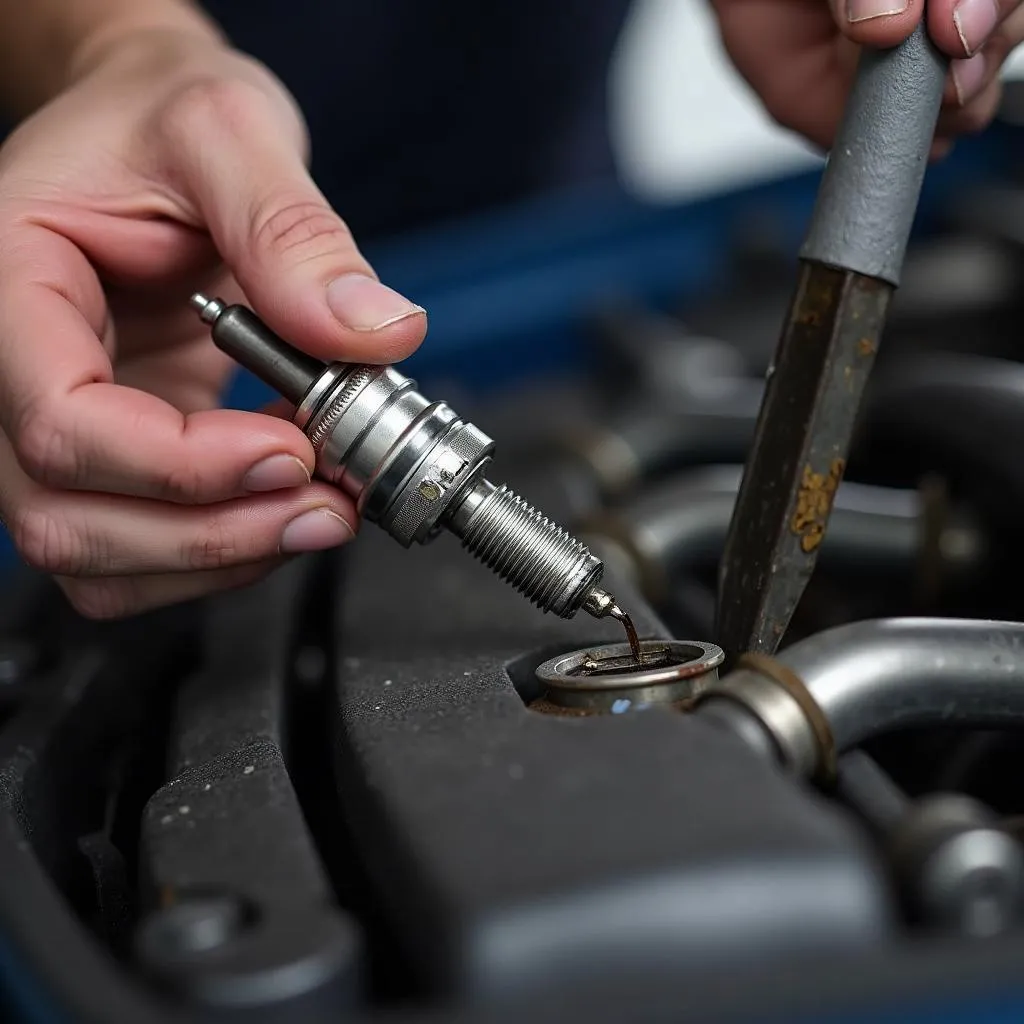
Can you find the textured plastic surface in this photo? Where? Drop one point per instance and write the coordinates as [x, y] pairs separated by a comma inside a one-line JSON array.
[[56, 972], [230, 782], [872, 183], [541, 852]]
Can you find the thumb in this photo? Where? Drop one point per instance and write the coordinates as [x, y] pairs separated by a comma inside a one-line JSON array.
[[293, 256], [877, 23]]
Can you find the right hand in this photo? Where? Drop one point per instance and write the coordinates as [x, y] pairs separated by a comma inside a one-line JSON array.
[[118, 473], [800, 56]]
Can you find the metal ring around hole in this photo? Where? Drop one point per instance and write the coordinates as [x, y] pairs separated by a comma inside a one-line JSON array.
[[688, 667]]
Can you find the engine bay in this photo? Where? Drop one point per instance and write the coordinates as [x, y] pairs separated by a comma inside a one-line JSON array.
[[380, 784]]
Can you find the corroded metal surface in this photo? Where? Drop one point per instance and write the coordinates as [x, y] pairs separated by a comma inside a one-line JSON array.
[[798, 457]]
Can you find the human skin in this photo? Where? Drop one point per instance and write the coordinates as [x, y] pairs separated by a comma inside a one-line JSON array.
[[165, 163], [152, 161], [800, 55]]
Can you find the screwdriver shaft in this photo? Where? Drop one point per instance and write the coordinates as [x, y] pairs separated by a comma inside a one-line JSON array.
[[850, 265], [798, 456]]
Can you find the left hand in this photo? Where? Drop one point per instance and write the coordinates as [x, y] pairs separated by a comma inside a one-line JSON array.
[[800, 55]]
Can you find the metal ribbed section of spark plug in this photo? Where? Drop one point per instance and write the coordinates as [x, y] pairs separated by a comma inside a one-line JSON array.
[[544, 562], [412, 466]]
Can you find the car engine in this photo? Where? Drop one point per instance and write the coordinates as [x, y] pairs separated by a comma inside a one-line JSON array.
[[381, 785]]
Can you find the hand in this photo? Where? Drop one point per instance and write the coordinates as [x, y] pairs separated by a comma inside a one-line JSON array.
[[118, 474], [800, 55]]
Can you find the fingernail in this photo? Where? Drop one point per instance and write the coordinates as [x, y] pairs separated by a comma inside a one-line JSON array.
[[975, 20], [865, 10], [363, 304], [314, 531], [276, 473], [968, 77]]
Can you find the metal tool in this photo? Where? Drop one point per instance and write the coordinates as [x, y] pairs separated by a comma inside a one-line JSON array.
[[413, 466], [850, 266]]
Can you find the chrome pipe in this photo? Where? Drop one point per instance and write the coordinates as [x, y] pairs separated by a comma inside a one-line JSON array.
[[833, 691], [682, 526]]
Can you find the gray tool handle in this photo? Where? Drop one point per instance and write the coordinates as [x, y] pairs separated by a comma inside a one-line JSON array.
[[872, 182]]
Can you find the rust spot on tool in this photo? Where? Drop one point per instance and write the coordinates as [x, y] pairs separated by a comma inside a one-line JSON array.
[[866, 347], [814, 503], [817, 301]]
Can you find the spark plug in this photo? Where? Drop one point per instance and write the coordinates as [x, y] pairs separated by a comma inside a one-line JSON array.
[[413, 467]]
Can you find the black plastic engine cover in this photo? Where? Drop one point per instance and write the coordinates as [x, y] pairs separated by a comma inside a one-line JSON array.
[[243, 914], [520, 853]]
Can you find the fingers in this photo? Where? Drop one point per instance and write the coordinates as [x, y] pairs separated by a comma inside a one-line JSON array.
[[974, 89], [801, 67], [877, 23], [971, 77], [189, 376], [977, 34], [961, 28], [974, 116], [793, 60], [288, 250], [72, 427], [279, 407], [82, 535], [117, 597]]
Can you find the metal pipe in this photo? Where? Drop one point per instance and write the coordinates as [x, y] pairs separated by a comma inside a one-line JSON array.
[[946, 413], [654, 355], [636, 446], [830, 692], [683, 525], [863, 785]]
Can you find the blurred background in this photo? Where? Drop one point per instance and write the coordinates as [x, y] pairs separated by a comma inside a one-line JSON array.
[[705, 177], [671, 61]]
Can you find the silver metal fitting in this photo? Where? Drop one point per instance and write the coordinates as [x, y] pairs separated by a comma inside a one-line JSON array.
[[830, 692], [959, 868], [796, 745], [607, 678], [413, 466]]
